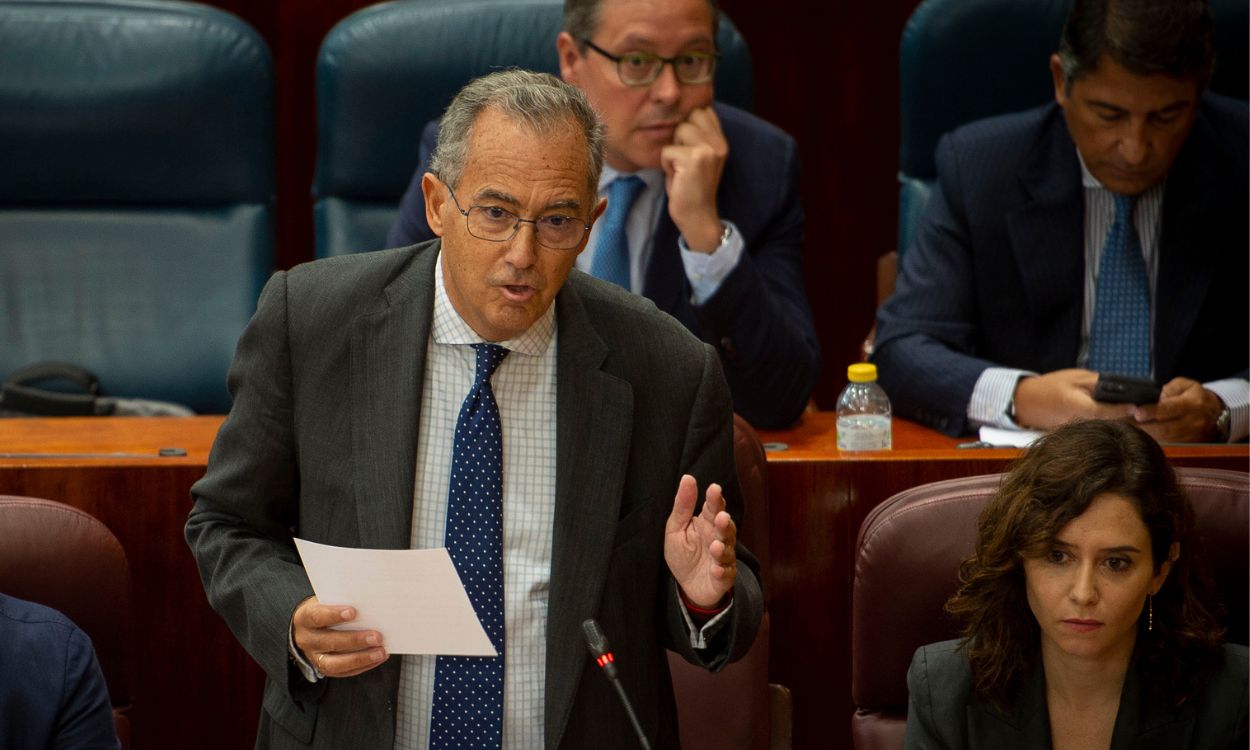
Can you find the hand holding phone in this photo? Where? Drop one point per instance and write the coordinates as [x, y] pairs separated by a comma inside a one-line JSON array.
[[1122, 389]]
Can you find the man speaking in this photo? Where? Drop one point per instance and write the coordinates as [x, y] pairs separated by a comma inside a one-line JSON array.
[[476, 393]]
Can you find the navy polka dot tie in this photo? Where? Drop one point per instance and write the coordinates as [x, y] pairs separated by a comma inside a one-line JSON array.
[[1120, 334], [611, 260], [468, 690]]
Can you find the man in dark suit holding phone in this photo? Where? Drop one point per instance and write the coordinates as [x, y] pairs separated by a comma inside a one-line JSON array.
[[1103, 233]]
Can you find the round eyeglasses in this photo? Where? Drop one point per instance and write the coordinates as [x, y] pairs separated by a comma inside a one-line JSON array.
[[497, 224], [642, 68]]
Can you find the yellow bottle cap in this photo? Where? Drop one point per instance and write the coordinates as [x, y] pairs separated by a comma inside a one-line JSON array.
[[861, 372]]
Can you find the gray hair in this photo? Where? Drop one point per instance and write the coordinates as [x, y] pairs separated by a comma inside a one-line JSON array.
[[581, 18], [539, 101]]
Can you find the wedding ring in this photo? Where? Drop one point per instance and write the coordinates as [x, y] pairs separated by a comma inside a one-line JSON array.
[[320, 656]]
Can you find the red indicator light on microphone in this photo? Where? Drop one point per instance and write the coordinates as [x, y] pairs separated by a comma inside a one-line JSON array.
[[606, 659]]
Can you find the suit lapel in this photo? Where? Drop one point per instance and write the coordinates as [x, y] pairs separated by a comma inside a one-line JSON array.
[[1026, 727], [593, 424], [1143, 724], [1190, 243], [1047, 236], [665, 277], [387, 368]]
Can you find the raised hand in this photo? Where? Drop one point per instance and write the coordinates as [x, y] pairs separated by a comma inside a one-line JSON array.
[[699, 549]]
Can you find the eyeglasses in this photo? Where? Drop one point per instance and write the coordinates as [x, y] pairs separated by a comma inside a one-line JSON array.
[[496, 224], [642, 68]]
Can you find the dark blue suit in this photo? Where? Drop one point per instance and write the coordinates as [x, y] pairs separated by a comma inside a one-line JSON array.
[[52, 692], [758, 320], [995, 275]]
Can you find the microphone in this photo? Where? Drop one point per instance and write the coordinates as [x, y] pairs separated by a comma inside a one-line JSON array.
[[597, 642]]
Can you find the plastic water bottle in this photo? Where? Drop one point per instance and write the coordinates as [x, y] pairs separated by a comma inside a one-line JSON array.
[[863, 412]]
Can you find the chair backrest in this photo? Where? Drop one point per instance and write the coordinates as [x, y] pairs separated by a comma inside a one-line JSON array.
[[963, 60], [136, 138], [61, 557], [730, 709], [385, 71], [907, 564]]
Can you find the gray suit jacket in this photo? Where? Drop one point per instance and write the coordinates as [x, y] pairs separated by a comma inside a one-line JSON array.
[[943, 711], [321, 442]]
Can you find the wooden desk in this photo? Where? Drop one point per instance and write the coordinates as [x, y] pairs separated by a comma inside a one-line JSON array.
[[195, 687], [818, 498]]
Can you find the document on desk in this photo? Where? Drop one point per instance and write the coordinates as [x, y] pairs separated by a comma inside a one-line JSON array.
[[413, 597], [999, 437]]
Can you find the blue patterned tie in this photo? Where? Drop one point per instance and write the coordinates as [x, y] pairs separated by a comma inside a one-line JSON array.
[[611, 261], [1120, 335], [468, 690]]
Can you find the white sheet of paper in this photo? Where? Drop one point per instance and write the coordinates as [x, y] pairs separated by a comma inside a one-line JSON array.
[[413, 597], [1008, 438]]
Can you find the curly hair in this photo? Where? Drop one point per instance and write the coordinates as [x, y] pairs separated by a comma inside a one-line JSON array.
[[1053, 483]]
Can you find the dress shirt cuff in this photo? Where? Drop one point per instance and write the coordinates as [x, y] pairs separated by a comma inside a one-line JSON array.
[[310, 671], [706, 271], [992, 395], [1235, 393], [701, 636]]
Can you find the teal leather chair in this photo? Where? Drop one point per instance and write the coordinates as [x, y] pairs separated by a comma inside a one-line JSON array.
[[385, 71], [136, 190], [963, 60]]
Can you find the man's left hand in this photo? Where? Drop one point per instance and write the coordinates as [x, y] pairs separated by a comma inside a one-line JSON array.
[[1186, 413], [692, 164], [699, 549]]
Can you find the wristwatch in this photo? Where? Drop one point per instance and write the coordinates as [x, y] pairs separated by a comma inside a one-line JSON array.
[[1223, 424]]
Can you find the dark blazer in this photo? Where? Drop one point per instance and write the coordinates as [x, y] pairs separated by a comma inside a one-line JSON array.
[[758, 320], [943, 712], [52, 692], [995, 276], [322, 441]]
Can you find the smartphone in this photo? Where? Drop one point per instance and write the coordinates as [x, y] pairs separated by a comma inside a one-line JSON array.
[[1122, 389]]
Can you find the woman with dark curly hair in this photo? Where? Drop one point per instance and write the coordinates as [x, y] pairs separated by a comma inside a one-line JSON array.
[[1088, 617]]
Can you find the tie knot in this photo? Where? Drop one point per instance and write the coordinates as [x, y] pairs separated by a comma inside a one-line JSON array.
[[488, 358], [1124, 205], [624, 190]]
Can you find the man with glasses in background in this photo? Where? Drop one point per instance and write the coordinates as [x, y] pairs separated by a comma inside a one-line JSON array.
[[477, 393], [704, 216]]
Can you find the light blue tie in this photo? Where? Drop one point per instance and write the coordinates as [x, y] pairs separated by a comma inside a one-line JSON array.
[[468, 690], [611, 262], [1120, 336]]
